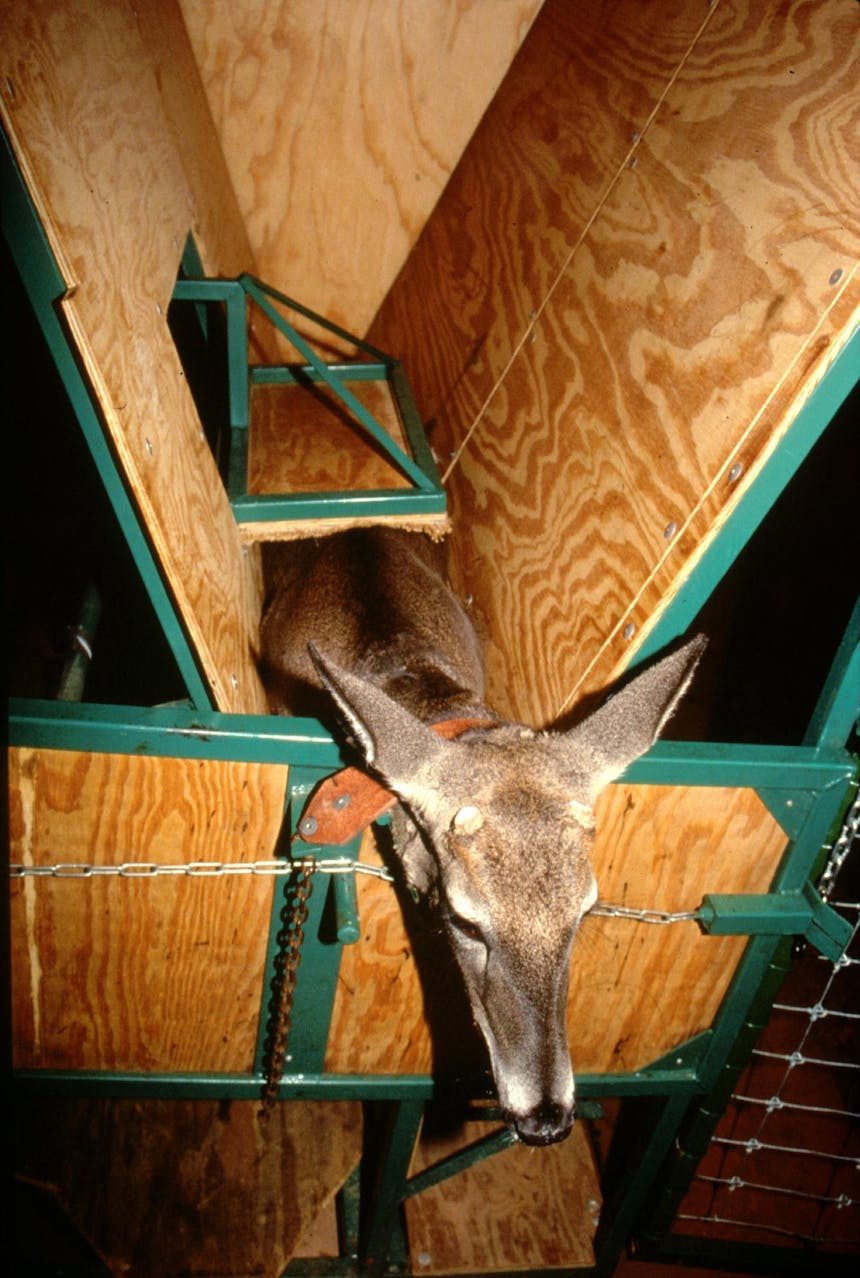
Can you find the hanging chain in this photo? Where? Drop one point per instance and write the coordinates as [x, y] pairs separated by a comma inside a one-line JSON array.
[[289, 957], [840, 848]]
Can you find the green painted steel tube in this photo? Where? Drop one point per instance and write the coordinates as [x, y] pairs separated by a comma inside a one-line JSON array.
[[74, 677]]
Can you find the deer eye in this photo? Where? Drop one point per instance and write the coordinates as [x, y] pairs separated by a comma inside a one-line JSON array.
[[466, 927]]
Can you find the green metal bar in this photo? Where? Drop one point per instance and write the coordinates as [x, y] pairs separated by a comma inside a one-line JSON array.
[[177, 731], [695, 1136], [786, 459], [250, 282], [45, 287], [638, 1150], [74, 676], [386, 1194], [289, 374], [488, 1145], [803, 914], [321, 1086], [232, 295], [367, 420], [370, 504], [346, 903], [749, 1258], [835, 716]]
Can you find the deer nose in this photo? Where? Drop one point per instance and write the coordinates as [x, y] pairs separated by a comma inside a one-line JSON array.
[[547, 1123]]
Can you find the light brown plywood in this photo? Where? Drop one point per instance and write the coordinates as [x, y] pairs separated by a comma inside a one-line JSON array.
[[175, 1188], [84, 104], [341, 124], [697, 273], [522, 1209], [636, 991], [162, 973]]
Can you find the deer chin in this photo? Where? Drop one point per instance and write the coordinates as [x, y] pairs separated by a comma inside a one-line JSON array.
[[536, 1117]]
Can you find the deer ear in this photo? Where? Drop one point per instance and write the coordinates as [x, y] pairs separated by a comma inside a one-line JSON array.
[[629, 723], [393, 742]]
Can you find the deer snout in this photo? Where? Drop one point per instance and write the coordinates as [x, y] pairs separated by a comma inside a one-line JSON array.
[[547, 1123]]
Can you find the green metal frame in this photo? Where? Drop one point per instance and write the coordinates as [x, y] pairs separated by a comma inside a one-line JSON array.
[[425, 496], [806, 787]]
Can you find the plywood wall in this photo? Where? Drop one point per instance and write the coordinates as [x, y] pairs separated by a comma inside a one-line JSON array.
[[162, 973], [340, 124], [643, 263], [105, 111]]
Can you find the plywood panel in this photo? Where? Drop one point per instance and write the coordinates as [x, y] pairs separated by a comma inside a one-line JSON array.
[[522, 1209], [657, 847], [341, 123], [179, 1188], [84, 103], [563, 123], [695, 302], [160, 973]]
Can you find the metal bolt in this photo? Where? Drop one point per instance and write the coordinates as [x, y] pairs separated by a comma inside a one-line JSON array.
[[308, 827], [836, 276], [629, 630], [342, 801], [148, 446], [736, 471], [234, 680], [423, 1258], [670, 529]]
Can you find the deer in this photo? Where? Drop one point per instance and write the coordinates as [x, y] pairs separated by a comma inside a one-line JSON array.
[[494, 822]]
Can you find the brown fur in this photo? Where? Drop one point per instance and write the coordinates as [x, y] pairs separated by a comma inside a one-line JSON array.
[[494, 827]]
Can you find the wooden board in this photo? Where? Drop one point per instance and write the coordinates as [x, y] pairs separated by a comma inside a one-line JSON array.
[[94, 122], [522, 1209], [657, 847], [341, 124], [184, 1188], [640, 269], [162, 973]]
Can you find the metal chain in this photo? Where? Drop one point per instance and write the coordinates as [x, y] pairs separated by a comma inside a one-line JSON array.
[[192, 869], [644, 916], [331, 865], [289, 957], [840, 848]]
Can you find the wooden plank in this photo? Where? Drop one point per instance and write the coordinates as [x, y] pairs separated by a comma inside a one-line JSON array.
[[341, 124], [303, 440], [586, 81], [84, 105], [657, 847], [522, 1209], [177, 1188], [677, 320], [156, 974]]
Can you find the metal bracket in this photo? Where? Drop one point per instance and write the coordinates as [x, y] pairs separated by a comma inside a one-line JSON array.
[[793, 914]]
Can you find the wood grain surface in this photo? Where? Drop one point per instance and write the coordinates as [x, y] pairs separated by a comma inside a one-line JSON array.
[[184, 1188], [94, 121], [522, 1209], [615, 305], [636, 991], [147, 974], [341, 123]]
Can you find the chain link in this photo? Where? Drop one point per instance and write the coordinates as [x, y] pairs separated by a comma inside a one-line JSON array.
[[840, 848], [644, 916], [288, 958], [193, 869]]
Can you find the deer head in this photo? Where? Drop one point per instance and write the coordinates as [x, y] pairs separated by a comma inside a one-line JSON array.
[[499, 831]]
